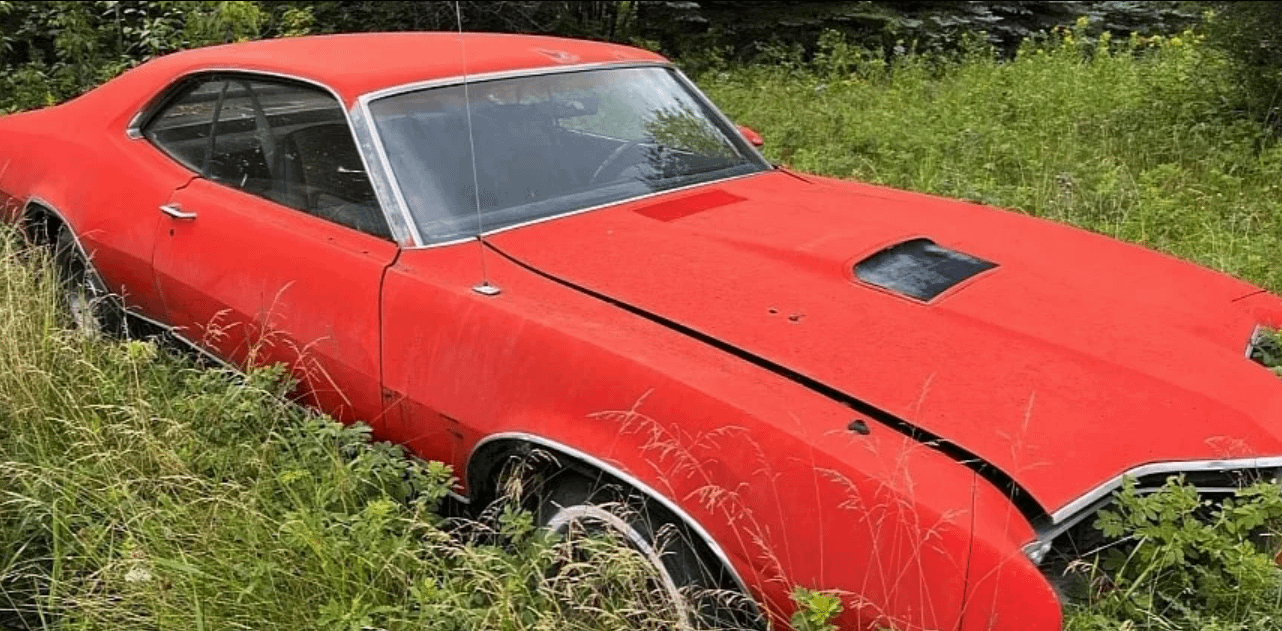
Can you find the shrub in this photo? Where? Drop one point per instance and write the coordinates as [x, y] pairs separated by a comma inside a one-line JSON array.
[[1184, 562], [1250, 33]]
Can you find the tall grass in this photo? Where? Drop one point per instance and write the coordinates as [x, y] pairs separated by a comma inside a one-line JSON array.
[[139, 491], [1137, 139]]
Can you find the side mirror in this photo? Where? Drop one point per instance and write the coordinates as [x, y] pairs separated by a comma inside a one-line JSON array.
[[752, 137]]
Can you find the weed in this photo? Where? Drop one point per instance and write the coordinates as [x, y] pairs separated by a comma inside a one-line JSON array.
[[815, 610]]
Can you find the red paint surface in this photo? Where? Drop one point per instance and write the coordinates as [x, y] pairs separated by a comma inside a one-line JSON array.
[[1055, 367], [672, 208], [1077, 358]]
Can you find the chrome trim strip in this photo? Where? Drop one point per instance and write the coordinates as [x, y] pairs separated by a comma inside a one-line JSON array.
[[396, 195], [403, 228], [36, 200], [634, 483], [504, 74], [173, 332], [1102, 491], [134, 130], [730, 126], [1254, 339], [135, 126]]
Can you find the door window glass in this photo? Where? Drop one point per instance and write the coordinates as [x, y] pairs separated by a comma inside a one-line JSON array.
[[182, 129], [290, 143], [284, 141]]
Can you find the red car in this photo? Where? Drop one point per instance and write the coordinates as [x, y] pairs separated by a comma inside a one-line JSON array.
[[488, 245]]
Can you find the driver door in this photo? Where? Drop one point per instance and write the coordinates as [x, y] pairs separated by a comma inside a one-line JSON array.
[[277, 252]]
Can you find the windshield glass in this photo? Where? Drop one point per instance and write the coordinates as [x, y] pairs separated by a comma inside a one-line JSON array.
[[551, 144]]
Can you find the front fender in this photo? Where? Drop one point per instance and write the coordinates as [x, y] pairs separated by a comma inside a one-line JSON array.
[[764, 465]]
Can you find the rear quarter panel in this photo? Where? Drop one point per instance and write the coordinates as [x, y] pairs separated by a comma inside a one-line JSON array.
[[76, 159]]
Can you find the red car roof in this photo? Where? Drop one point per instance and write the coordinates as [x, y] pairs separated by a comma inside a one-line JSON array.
[[354, 64]]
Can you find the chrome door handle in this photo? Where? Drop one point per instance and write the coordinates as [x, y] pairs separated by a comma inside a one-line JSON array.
[[176, 211]]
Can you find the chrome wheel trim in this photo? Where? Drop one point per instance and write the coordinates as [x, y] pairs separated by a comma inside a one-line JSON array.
[[81, 306], [567, 516]]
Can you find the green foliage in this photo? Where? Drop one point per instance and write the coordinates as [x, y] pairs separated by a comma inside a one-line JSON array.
[[1267, 350], [52, 51], [1185, 562], [1250, 33], [752, 31], [142, 492], [816, 610]]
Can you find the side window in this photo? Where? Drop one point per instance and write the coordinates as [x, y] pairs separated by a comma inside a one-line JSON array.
[[284, 141], [290, 143], [242, 143], [182, 129]]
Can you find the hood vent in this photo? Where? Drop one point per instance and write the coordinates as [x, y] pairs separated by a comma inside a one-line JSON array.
[[919, 268]]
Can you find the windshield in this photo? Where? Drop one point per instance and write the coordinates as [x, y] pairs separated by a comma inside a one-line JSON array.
[[550, 144]]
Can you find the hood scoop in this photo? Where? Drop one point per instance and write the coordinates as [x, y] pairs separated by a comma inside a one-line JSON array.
[[919, 268]]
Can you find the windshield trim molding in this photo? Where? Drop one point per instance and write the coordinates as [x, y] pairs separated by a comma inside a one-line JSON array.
[[364, 99]]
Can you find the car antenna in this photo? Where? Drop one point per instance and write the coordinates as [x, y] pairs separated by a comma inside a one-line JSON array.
[[485, 288]]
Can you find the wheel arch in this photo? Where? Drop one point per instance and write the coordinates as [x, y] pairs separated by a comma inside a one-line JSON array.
[[487, 457], [40, 221]]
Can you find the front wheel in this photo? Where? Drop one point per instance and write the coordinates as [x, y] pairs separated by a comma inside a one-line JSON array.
[[82, 295], [683, 577]]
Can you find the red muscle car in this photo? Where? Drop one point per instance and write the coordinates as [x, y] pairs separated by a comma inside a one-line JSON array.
[[487, 245]]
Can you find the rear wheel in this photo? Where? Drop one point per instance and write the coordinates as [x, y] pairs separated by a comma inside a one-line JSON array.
[[82, 296], [683, 578]]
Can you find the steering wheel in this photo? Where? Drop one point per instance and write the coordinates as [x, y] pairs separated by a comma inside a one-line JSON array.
[[614, 157]]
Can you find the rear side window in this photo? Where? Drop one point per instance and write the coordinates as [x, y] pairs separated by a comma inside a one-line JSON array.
[[280, 140]]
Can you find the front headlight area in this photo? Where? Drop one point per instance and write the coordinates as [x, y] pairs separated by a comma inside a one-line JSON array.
[[1070, 548]]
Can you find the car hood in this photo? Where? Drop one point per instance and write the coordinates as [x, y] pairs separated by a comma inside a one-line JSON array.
[[1073, 360]]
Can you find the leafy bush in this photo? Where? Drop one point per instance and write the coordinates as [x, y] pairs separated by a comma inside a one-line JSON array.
[[52, 51], [1251, 35], [1185, 562]]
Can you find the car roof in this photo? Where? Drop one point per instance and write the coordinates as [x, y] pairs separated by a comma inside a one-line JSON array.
[[355, 64]]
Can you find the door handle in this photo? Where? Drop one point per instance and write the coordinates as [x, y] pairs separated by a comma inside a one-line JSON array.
[[176, 211]]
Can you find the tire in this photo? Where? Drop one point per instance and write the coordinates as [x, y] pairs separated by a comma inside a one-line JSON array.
[[83, 298], [683, 572]]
